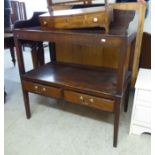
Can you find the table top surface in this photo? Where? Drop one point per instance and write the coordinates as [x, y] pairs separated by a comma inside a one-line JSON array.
[[92, 36], [115, 31]]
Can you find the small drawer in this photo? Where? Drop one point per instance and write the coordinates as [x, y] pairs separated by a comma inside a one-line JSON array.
[[143, 97], [96, 20], [41, 89], [88, 100], [142, 115]]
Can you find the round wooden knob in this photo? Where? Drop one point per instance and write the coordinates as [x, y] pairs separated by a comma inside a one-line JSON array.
[[45, 22], [103, 40], [95, 19], [36, 87], [91, 100], [44, 89], [81, 98]]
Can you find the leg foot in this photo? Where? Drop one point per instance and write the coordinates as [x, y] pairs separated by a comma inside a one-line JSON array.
[[27, 105], [126, 98], [12, 52], [116, 121]]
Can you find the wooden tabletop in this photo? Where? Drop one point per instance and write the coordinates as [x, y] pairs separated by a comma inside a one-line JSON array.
[[79, 36]]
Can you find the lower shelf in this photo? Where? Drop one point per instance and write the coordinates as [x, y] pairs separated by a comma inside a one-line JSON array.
[[101, 82], [92, 87]]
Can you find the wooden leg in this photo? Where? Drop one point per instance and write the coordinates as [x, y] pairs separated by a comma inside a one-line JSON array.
[[40, 54], [23, 48], [52, 51], [26, 103], [12, 52], [116, 121], [5, 94], [34, 56], [126, 101]]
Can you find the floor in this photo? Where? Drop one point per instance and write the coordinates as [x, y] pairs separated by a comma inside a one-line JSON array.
[[61, 128]]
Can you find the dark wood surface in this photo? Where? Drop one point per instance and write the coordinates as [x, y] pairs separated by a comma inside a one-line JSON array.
[[103, 84], [145, 58], [77, 78]]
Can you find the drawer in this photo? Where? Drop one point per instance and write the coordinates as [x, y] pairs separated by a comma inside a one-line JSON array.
[[142, 115], [78, 21], [88, 100], [96, 20], [60, 22], [41, 89], [143, 95]]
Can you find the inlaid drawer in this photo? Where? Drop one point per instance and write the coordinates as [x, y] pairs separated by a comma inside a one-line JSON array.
[[41, 89], [95, 20], [61, 22], [77, 19], [88, 100]]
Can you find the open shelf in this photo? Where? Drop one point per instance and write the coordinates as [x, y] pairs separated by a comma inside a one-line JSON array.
[[74, 77]]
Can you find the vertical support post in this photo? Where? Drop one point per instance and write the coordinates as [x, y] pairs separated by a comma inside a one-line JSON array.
[[106, 3], [40, 53], [141, 14], [49, 5], [22, 71], [121, 70], [13, 55], [19, 55], [49, 2], [140, 8], [116, 120], [52, 51], [26, 104], [34, 55], [127, 93]]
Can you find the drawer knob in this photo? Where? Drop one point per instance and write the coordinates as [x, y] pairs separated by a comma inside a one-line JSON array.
[[81, 98], [103, 40], [95, 19], [36, 87], [45, 22], [44, 89], [91, 100]]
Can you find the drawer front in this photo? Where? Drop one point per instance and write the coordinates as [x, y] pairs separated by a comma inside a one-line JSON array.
[[41, 89], [144, 97], [96, 20], [68, 22], [88, 100], [78, 21], [142, 115]]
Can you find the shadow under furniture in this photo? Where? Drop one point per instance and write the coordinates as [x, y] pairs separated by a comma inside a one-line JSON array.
[[94, 86]]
